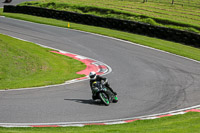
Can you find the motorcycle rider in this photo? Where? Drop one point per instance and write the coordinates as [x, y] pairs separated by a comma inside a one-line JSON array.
[[94, 77]]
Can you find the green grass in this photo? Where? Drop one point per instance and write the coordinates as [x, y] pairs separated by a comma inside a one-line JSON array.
[[155, 12], [24, 64], [187, 123]]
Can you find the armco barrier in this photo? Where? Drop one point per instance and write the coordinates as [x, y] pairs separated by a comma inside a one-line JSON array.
[[170, 34]]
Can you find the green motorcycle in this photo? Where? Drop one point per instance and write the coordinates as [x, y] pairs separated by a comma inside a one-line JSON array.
[[104, 94]]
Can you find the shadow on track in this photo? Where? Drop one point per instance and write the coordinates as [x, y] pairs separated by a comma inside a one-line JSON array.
[[85, 101]]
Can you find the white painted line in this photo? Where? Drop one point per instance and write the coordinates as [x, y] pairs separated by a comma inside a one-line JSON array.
[[63, 52], [179, 113], [148, 118], [73, 125], [113, 123], [9, 126], [81, 57]]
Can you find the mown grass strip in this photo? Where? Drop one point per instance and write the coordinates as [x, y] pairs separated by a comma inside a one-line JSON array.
[[24, 64], [187, 123]]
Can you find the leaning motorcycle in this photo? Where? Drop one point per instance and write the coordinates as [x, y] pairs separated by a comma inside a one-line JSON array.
[[103, 93]]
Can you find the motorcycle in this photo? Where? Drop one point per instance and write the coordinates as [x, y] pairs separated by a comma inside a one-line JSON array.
[[100, 91]]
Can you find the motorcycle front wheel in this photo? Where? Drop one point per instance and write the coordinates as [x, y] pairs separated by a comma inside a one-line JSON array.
[[104, 98], [115, 99]]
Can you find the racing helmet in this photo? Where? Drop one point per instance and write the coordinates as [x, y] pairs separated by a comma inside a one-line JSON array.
[[92, 75]]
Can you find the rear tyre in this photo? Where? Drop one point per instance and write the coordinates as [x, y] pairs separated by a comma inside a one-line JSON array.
[[104, 98]]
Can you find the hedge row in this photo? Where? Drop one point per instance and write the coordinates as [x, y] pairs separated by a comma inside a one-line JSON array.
[[170, 34]]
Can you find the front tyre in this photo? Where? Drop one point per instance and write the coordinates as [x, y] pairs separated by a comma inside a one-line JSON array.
[[115, 99], [104, 98]]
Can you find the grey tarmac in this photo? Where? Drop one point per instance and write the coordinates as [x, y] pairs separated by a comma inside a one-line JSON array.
[[147, 81]]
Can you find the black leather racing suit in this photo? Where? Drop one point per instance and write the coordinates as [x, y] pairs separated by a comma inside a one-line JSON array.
[[100, 79]]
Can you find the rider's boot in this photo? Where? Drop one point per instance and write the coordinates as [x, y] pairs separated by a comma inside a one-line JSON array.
[[94, 97]]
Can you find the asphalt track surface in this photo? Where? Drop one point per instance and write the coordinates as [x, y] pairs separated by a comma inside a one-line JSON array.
[[14, 2], [147, 81]]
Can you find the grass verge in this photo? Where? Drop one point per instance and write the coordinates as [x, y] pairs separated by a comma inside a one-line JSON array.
[[187, 123], [24, 64]]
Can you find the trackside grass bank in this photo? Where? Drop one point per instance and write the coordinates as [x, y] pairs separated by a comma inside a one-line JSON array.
[[187, 123], [183, 14], [24, 64]]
